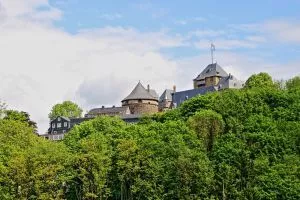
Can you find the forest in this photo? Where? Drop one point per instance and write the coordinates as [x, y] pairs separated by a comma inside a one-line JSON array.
[[233, 144]]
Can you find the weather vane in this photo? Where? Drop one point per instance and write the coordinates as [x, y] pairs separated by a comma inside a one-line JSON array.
[[212, 49]]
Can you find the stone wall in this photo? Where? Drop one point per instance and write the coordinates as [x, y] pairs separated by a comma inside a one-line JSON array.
[[142, 107]]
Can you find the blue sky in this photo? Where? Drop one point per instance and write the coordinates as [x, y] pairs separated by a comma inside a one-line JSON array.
[[93, 52], [182, 17]]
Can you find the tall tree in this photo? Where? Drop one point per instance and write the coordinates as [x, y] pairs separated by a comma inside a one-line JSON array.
[[293, 83], [261, 80], [208, 125], [21, 116], [66, 109]]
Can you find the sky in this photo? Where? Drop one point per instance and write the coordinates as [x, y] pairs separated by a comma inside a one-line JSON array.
[[94, 52]]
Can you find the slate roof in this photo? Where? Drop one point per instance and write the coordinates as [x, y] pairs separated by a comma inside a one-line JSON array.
[[229, 82], [153, 93], [212, 70], [167, 94], [139, 92], [180, 97], [110, 110]]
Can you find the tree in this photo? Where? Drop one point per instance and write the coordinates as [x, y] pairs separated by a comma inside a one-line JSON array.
[[65, 109], [293, 83], [208, 125], [21, 116], [261, 80]]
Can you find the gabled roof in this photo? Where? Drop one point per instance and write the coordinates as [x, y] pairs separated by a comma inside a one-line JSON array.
[[139, 92], [212, 70], [166, 95], [65, 118]]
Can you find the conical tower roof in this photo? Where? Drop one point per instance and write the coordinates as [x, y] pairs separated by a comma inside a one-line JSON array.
[[140, 92]]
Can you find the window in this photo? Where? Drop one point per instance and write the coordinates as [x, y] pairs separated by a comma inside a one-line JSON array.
[[65, 124], [54, 132], [53, 125], [58, 119], [58, 125]]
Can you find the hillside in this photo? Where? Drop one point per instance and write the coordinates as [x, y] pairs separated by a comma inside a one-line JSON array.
[[233, 144]]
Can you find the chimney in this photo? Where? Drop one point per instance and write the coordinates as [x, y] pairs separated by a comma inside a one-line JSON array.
[[148, 88], [174, 88], [103, 107]]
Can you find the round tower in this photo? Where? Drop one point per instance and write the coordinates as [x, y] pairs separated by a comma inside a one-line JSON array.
[[141, 100]]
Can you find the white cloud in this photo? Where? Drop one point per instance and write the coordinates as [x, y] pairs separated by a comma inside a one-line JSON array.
[[29, 10], [283, 30], [42, 65], [207, 33], [181, 22], [225, 44], [107, 16]]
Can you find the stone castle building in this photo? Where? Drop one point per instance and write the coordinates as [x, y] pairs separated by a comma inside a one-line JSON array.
[[143, 100]]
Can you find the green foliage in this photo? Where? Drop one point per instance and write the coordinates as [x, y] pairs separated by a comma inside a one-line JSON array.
[[66, 109], [233, 144], [22, 116], [293, 84], [208, 125], [261, 80], [31, 167]]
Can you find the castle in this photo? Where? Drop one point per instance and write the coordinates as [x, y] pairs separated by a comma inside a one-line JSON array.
[[143, 100]]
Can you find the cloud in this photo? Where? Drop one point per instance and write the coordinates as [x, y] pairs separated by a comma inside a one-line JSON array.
[[181, 22], [225, 44], [191, 20], [111, 16], [207, 33], [283, 30], [42, 65], [38, 10]]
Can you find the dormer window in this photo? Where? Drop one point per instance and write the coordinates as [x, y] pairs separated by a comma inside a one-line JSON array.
[[58, 119]]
